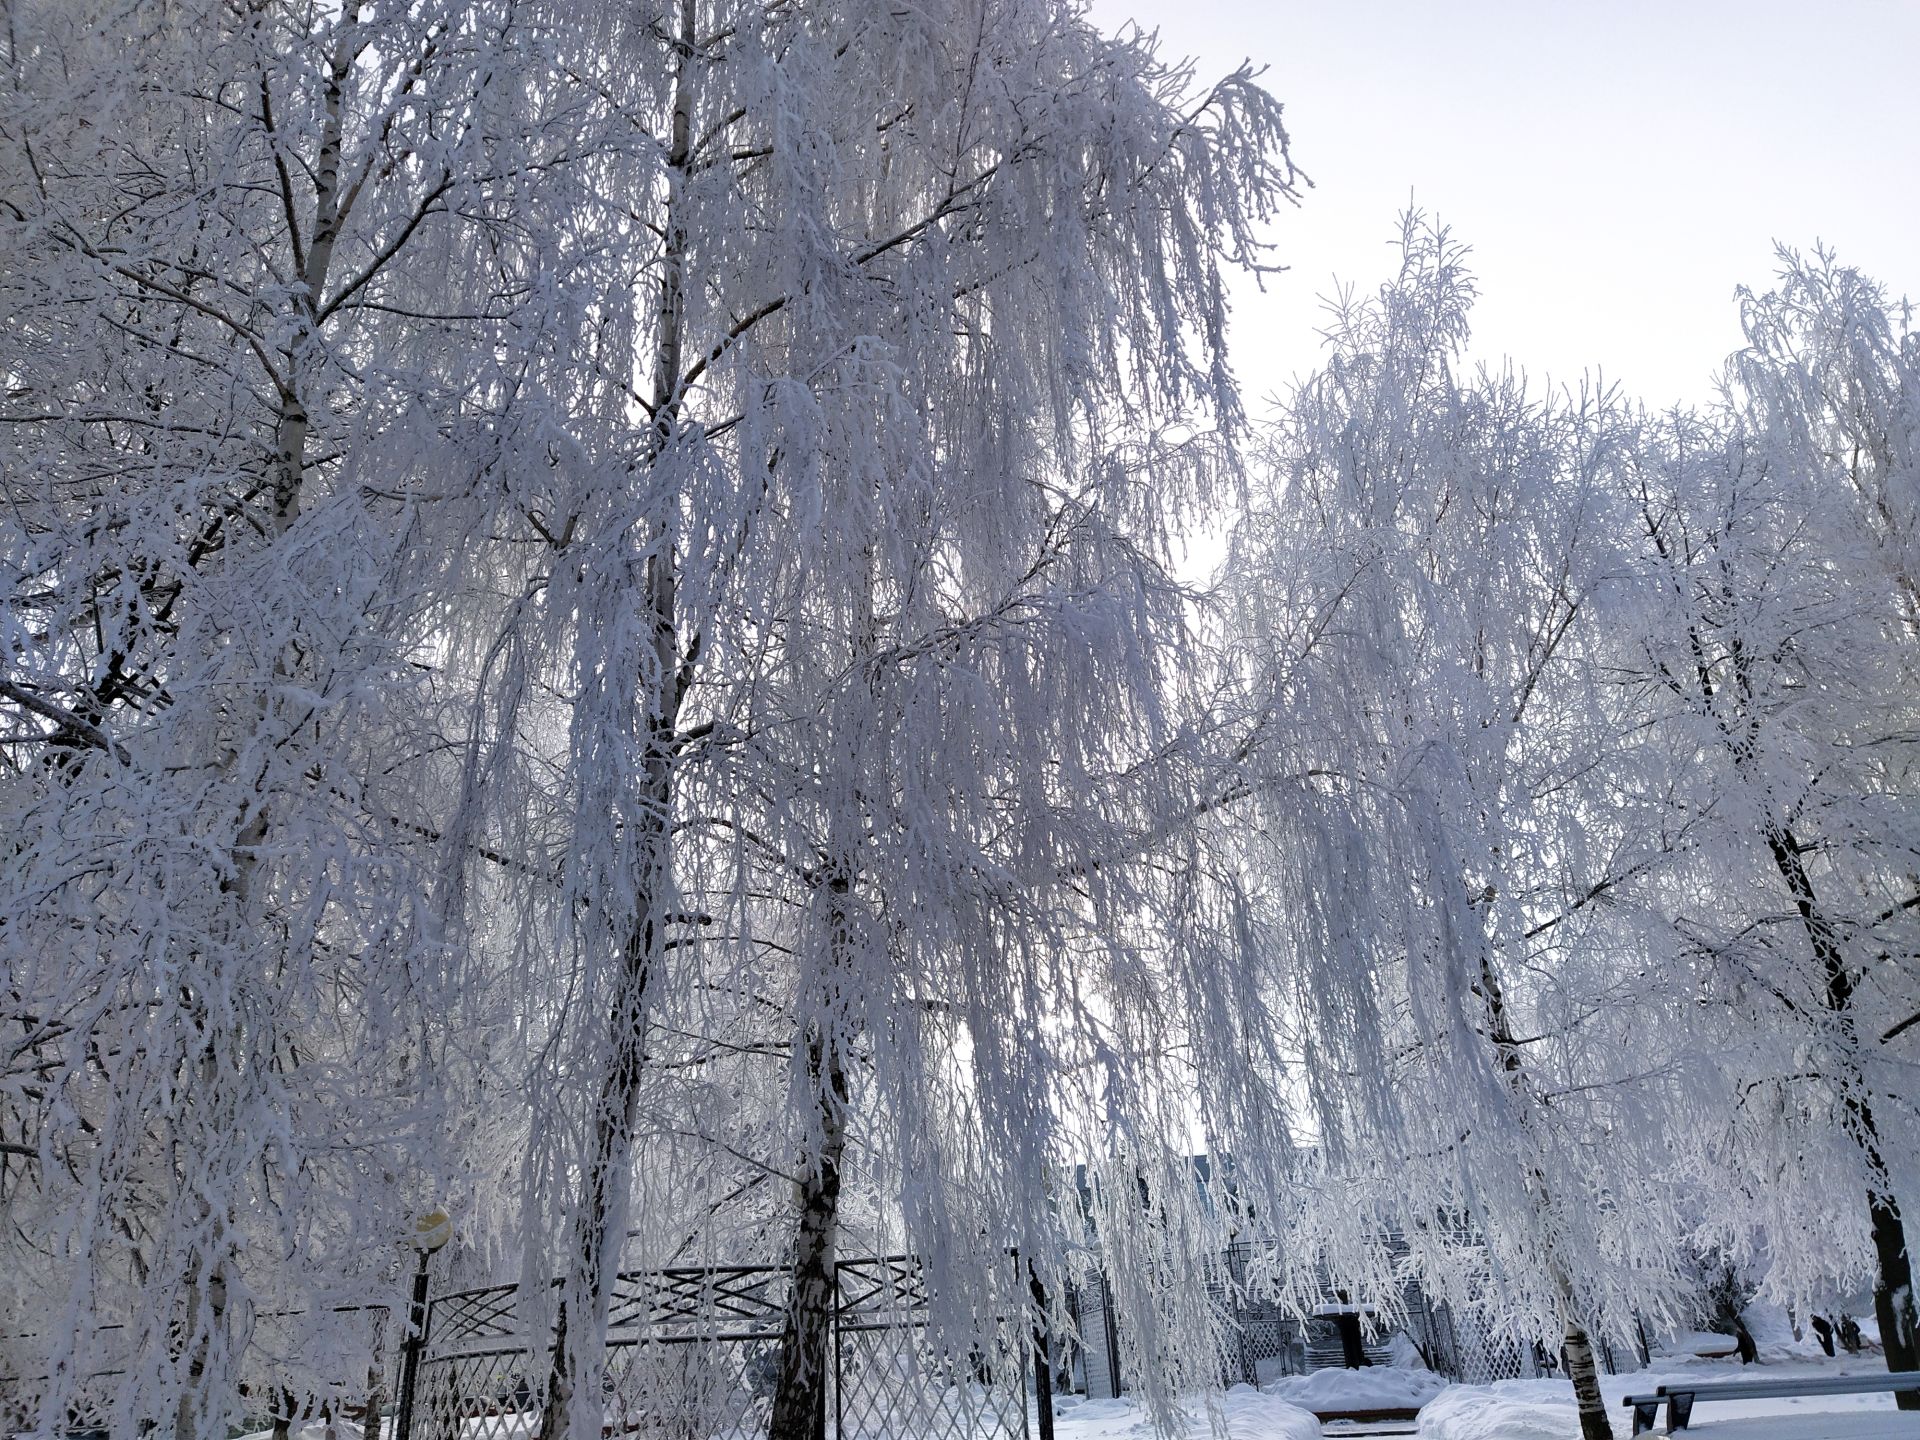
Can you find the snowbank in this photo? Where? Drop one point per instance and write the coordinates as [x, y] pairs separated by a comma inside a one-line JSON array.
[[1543, 1411], [1246, 1413], [1708, 1344], [1403, 1352], [1859, 1426], [1376, 1387], [1530, 1409], [1252, 1415]]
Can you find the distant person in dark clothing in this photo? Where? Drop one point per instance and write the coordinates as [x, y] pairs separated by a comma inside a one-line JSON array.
[[1353, 1350], [1823, 1332], [1850, 1334], [1742, 1338]]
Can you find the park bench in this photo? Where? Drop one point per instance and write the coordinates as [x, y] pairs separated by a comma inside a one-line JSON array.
[[1680, 1397]]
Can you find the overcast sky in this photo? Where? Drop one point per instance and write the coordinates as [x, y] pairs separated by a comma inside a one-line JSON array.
[[1617, 166]]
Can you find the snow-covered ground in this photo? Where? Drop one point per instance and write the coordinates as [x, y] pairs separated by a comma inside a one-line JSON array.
[[1531, 1409], [1543, 1409], [1510, 1410], [1246, 1413]]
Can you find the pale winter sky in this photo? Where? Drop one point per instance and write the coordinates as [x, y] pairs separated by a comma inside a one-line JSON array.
[[1618, 166]]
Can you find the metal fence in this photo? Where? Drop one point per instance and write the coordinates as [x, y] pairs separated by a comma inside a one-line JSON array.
[[1467, 1349], [693, 1353]]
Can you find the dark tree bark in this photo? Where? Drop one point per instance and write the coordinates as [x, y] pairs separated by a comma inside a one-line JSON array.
[[663, 690], [1592, 1405], [1585, 1375], [1893, 1302], [612, 1149], [1042, 1355], [800, 1393]]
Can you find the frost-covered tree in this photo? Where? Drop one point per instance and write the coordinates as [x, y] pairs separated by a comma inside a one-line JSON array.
[[1457, 907], [1831, 375], [1777, 643], [825, 549], [526, 519], [266, 300]]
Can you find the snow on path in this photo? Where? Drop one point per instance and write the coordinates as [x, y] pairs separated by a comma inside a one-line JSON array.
[[1510, 1410], [1543, 1409], [1835, 1425]]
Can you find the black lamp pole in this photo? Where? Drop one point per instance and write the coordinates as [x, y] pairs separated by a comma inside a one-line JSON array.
[[410, 1350]]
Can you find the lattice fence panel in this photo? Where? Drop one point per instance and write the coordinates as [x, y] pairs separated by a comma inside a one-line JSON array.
[[891, 1381], [1268, 1340], [690, 1389], [480, 1395], [892, 1385], [692, 1354], [1272, 1343], [1482, 1356]]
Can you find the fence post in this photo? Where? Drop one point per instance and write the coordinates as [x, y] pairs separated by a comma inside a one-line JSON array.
[[1113, 1333], [837, 1318], [410, 1349], [1042, 1355]]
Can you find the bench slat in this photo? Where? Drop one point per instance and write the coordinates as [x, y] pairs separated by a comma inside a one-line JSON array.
[[1807, 1385], [1681, 1397], [1811, 1385]]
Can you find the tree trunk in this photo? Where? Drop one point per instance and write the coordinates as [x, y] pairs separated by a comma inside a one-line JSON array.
[[1591, 1405], [370, 1427], [1042, 1355], [601, 1209], [800, 1394], [1893, 1305], [1585, 1375], [1893, 1302]]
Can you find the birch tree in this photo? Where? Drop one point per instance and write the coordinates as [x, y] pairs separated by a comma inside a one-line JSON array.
[[888, 274], [1459, 902], [261, 266], [1778, 641]]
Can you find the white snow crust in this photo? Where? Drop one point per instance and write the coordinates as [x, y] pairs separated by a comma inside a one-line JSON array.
[[1377, 1387]]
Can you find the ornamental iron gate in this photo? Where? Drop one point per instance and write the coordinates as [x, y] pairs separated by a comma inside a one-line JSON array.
[[692, 1353]]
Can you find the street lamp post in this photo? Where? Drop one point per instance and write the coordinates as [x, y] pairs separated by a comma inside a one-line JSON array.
[[430, 1232]]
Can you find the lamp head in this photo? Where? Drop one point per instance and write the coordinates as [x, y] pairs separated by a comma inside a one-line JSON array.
[[431, 1231]]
